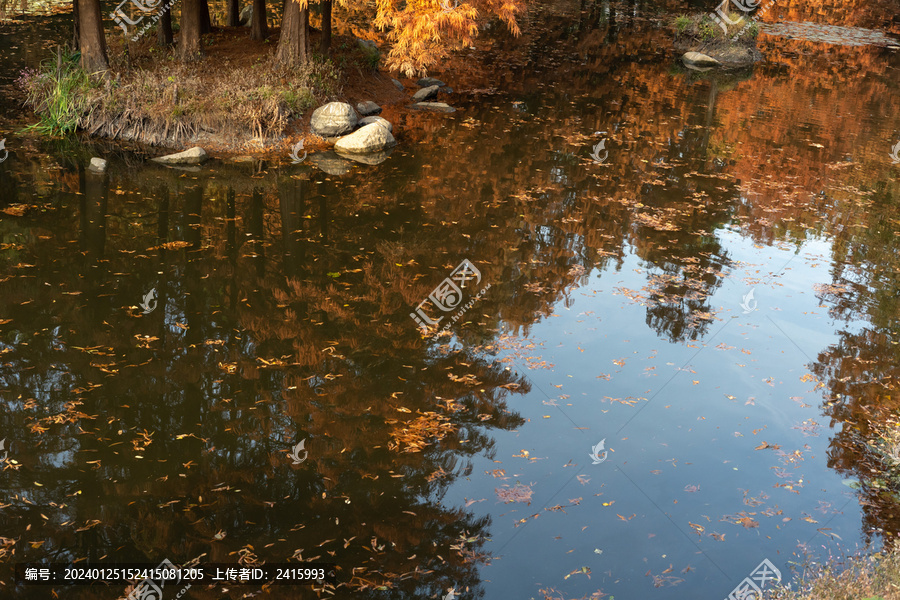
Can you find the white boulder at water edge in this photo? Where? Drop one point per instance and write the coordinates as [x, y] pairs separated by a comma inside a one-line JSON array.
[[699, 59], [371, 138]]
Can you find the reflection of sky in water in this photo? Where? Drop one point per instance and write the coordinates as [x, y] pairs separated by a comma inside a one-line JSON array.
[[710, 403]]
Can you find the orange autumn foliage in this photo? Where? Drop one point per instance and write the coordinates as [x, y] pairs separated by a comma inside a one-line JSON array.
[[423, 32]]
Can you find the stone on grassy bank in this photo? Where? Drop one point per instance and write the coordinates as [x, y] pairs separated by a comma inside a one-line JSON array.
[[367, 108], [333, 119]]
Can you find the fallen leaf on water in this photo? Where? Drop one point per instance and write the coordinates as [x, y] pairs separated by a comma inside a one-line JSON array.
[[766, 445]]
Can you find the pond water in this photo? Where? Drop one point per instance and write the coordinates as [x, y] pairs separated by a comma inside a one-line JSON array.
[[698, 270]]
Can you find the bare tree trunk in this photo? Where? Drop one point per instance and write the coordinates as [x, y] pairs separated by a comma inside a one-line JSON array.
[[326, 27], [75, 35], [260, 26], [205, 20], [189, 40], [293, 43], [234, 13], [91, 38], [164, 29]]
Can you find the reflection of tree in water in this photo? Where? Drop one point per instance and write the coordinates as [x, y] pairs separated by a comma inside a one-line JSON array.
[[862, 370], [236, 365]]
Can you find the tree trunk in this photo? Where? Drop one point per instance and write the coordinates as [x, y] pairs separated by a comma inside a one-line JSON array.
[[205, 20], [189, 40], [164, 29], [234, 13], [91, 38], [326, 27], [293, 44], [75, 35], [260, 27]]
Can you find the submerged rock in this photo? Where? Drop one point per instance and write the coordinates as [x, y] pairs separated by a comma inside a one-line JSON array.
[[430, 81], [368, 107], [193, 156], [380, 120], [330, 162], [332, 119], [375, 158], [98, 165], [435, 106], [371, 138], [698, 59], [397, 84], [426, 93]]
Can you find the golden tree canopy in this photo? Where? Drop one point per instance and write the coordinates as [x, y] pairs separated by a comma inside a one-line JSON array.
[[423, 32]]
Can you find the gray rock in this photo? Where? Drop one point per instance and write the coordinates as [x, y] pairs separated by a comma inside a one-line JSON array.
[[368, 108], [98, 165], [381, 121], [330, 162], [246, 16], [375, 158], [429, 81], [426, 93], [397, 84], [698, 59], [435, 106], [332, 119], [367, 45], [446, 90], [371, 138], [193, 156]]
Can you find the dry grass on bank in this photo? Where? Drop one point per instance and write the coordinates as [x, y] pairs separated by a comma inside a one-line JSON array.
[[875, 577], [236, 93]]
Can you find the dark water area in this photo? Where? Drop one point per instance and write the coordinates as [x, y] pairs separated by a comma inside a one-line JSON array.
[[712, 293]]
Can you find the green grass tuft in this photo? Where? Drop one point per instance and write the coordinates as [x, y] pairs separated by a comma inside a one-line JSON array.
[[59, 93]]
